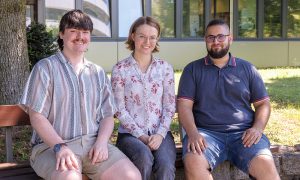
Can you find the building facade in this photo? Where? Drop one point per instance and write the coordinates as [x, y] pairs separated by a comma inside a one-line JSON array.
[[266, 32]]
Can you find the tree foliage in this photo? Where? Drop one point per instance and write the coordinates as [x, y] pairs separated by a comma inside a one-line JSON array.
[[41, 43]]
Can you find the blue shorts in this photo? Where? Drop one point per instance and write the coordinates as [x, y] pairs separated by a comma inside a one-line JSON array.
[[229, 146]]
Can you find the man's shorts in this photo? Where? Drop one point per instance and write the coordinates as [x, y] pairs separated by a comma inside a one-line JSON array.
[[229, 146], [43, 159]]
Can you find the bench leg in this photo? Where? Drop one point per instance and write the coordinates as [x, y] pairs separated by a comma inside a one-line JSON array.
[[8, 144]]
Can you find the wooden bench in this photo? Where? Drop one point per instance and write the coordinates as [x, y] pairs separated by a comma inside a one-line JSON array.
[[13, 115]]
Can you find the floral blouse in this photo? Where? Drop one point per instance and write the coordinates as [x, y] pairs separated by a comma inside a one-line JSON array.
[[145, 101]]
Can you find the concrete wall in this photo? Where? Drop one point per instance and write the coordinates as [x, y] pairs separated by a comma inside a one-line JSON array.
[[180, 53], [262, 53], [294, 53], [104, 54]]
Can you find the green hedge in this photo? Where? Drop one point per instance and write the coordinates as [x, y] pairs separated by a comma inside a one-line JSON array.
[[41, 43]]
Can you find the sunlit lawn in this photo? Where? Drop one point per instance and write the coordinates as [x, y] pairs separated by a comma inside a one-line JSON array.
[[283, 85]]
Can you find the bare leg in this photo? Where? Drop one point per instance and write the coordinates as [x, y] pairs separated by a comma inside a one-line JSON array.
[[123, 169], [66, 175], [262, 167], [196, 167]]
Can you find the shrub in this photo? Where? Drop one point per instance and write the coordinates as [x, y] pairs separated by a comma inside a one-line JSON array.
[[41, 43]]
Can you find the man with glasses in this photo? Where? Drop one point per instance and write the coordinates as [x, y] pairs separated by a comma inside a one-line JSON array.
[[215, 96]]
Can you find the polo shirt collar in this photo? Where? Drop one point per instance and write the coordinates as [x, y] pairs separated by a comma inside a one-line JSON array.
[[231, 62]]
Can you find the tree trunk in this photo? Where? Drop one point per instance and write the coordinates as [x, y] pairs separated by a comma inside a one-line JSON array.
[[14, 63]]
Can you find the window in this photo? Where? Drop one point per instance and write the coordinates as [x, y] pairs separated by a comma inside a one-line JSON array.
[[30, 14], [31, 11], [247, 19], [293, 21], [55, 9], [164, 12], [272, 19], [100, 15], [193, 18], [220, 10], [251, 19], [129, 11]]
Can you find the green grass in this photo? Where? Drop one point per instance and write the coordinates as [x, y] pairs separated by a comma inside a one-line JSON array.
[[283, 85], [21, 143]]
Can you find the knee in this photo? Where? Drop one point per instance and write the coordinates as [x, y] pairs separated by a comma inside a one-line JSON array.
[[263, 166], [164, 170], [123, 169], [133, 173], [196, 167], [165, 164], [195, 162], [143, 157], [69, 174], [262, 160]]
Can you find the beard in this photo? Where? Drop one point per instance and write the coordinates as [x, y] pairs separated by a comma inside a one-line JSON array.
[[216, 54]]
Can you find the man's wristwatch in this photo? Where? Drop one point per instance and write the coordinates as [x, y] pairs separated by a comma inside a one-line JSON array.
[[58, 146]]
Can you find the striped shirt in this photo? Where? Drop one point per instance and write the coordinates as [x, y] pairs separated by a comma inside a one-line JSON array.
[[74, 104]]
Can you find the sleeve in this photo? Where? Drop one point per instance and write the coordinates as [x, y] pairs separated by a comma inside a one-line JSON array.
[[168, 101], [37, 94], [257, 87], [118, 87], [187, 85], [107, 99]]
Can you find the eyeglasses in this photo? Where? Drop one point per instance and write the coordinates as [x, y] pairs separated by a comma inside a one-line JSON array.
[[141, 37], [219, 38]]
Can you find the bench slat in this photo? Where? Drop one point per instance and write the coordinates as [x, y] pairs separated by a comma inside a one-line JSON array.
[[13, 115], [14, 171], [29, 176]]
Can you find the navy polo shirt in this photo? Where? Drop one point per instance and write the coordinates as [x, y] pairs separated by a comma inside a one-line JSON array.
[[222, 96]]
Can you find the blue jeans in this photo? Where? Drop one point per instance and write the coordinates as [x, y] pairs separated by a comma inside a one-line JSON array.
[[161, 161], [229, 146]]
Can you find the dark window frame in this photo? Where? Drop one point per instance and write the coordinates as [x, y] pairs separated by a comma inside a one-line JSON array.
[[178, 26]]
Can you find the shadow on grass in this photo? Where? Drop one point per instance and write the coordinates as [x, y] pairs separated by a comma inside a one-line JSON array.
[[285, 92]]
